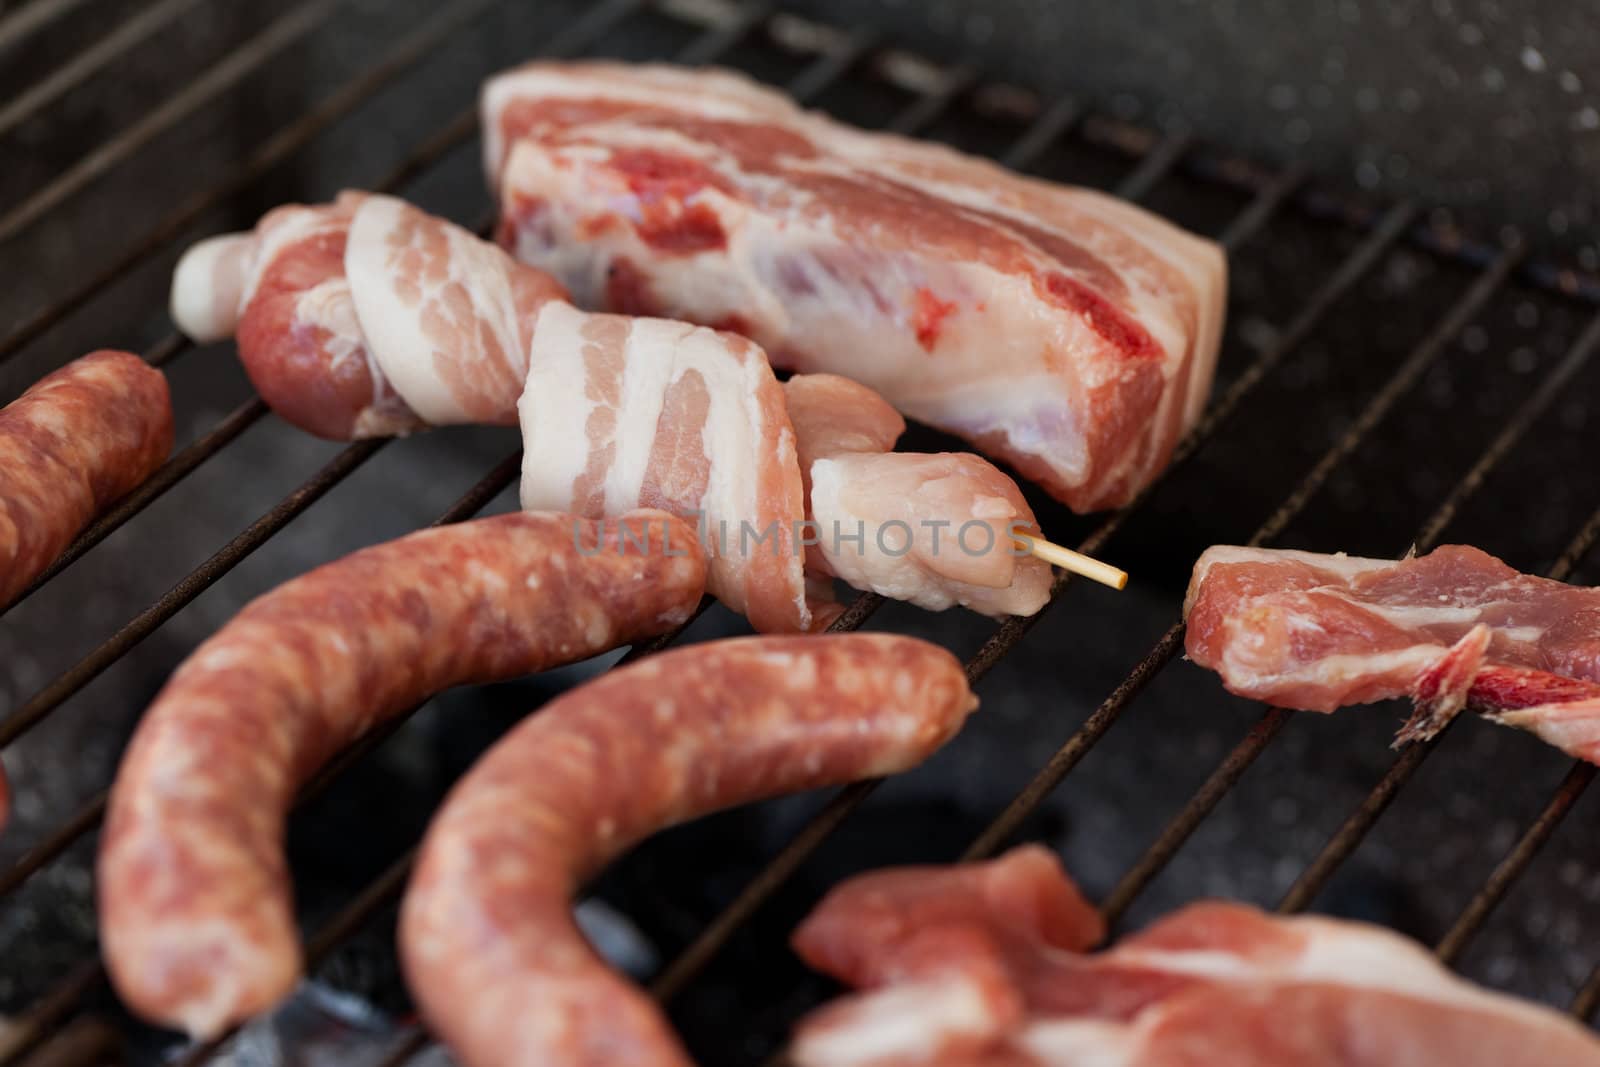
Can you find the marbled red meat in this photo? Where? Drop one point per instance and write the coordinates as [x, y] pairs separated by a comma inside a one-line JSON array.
[[987, 966], [1454, 629]]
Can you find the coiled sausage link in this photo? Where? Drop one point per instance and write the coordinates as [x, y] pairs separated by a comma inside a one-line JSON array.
[[487, 937], [195, 910]]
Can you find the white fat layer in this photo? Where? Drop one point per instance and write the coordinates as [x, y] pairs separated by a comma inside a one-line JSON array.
[[394, 327], [902, 1023], [1080, 1043], [554, 411], [208, 286], [1357, 955], [1330, 671], [657, 353], [1348, 567]]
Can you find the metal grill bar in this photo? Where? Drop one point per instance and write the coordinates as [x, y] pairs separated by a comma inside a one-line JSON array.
[[1233, 766], [24, 21], [413, 48], [1515, 862], [91, 59], [232, 69], [198, 581]]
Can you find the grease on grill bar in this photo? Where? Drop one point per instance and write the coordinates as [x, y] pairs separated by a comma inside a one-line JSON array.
[[829, 57]]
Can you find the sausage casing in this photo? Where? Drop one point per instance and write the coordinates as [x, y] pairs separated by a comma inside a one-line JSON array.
[[196, 916], [487, 937]]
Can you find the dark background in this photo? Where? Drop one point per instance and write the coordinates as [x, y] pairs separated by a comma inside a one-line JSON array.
[[1364, 99]]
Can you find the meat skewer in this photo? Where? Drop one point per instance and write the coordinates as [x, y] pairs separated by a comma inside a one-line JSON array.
[[1070, 334], [957, 512], [989, 966], [76, 442], [621, 412], [196, 918], [366, 317], [487, 939], [1454, 629]]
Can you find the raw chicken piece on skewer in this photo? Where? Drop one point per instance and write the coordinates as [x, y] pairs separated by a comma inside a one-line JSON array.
[[1066, 332], [988, 965], [621, 411], [366, 317], [1454, 629]]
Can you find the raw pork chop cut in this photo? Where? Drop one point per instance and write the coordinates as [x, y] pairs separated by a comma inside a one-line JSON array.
[[1454, 629]]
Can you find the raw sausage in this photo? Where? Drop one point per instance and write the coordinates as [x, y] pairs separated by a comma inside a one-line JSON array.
[[195, 904], [70, 446], [487, 937]]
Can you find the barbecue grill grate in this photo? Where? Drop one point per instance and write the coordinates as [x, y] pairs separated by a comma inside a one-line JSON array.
[[828, 60]]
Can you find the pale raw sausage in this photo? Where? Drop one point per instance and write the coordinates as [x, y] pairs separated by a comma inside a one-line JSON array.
[[487, 937], [195, 909]]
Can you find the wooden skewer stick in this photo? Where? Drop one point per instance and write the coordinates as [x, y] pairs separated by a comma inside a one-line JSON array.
[[1076, 562]]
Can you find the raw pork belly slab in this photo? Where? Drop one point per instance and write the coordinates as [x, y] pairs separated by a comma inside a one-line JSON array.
[[1062, 330], [1455, 628], [987, 965]]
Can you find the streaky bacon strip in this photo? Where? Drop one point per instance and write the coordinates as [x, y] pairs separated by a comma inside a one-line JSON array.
[[988, 965], [366, 317], [1069, 333], [621, 412], [1454, 629]]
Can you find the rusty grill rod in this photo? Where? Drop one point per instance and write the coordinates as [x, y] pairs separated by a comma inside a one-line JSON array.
[[218, 79], [23, 22], [1228, 772], [83, 66], [406, 53]]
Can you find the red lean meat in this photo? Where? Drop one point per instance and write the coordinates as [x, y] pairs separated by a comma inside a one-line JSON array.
[[366, 317], [986, 966], [1066, 332], [1454, 629]]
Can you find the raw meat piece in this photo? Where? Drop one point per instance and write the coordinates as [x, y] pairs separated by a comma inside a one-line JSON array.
[[1455, 628], [997, 976], [1069, 333]]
